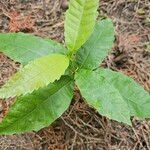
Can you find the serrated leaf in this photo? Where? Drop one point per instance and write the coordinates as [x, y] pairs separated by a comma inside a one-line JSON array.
[[102, 95], [25, 47], [93, 52], [36, 74], [79, 22], [134, 95], [39, 109]]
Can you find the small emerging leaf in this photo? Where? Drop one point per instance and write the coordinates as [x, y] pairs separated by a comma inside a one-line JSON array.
[[102, 95], [36, 74], [39, 109], [80, 21], [93, 52], [25, 47]]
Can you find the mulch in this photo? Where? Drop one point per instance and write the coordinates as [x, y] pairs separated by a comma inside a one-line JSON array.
[[81, 127]]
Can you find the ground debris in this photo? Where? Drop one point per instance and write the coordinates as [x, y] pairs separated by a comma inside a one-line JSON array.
[[17, 23]]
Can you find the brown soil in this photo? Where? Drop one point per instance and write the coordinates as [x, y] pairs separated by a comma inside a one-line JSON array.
[[81, 127]]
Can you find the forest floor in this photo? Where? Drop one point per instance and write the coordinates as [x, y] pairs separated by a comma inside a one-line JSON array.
[[80, 127]]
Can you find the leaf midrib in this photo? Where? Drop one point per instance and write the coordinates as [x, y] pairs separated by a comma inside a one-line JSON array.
[[128, 99], [79, 25]]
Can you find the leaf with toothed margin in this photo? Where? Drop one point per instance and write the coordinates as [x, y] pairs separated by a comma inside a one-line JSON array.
[[39, 109], [36, 74], [137, 99], [97, 47], [102, 95], [80, 21], [24, 48]]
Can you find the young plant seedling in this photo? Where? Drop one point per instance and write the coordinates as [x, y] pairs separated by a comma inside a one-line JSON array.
[[44, 85]]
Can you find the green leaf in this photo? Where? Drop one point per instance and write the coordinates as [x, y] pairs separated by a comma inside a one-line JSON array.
[[93, 52], [102, 95], [39, 109], [80, 22], [134, 95], [25, 47], [36, 74]]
